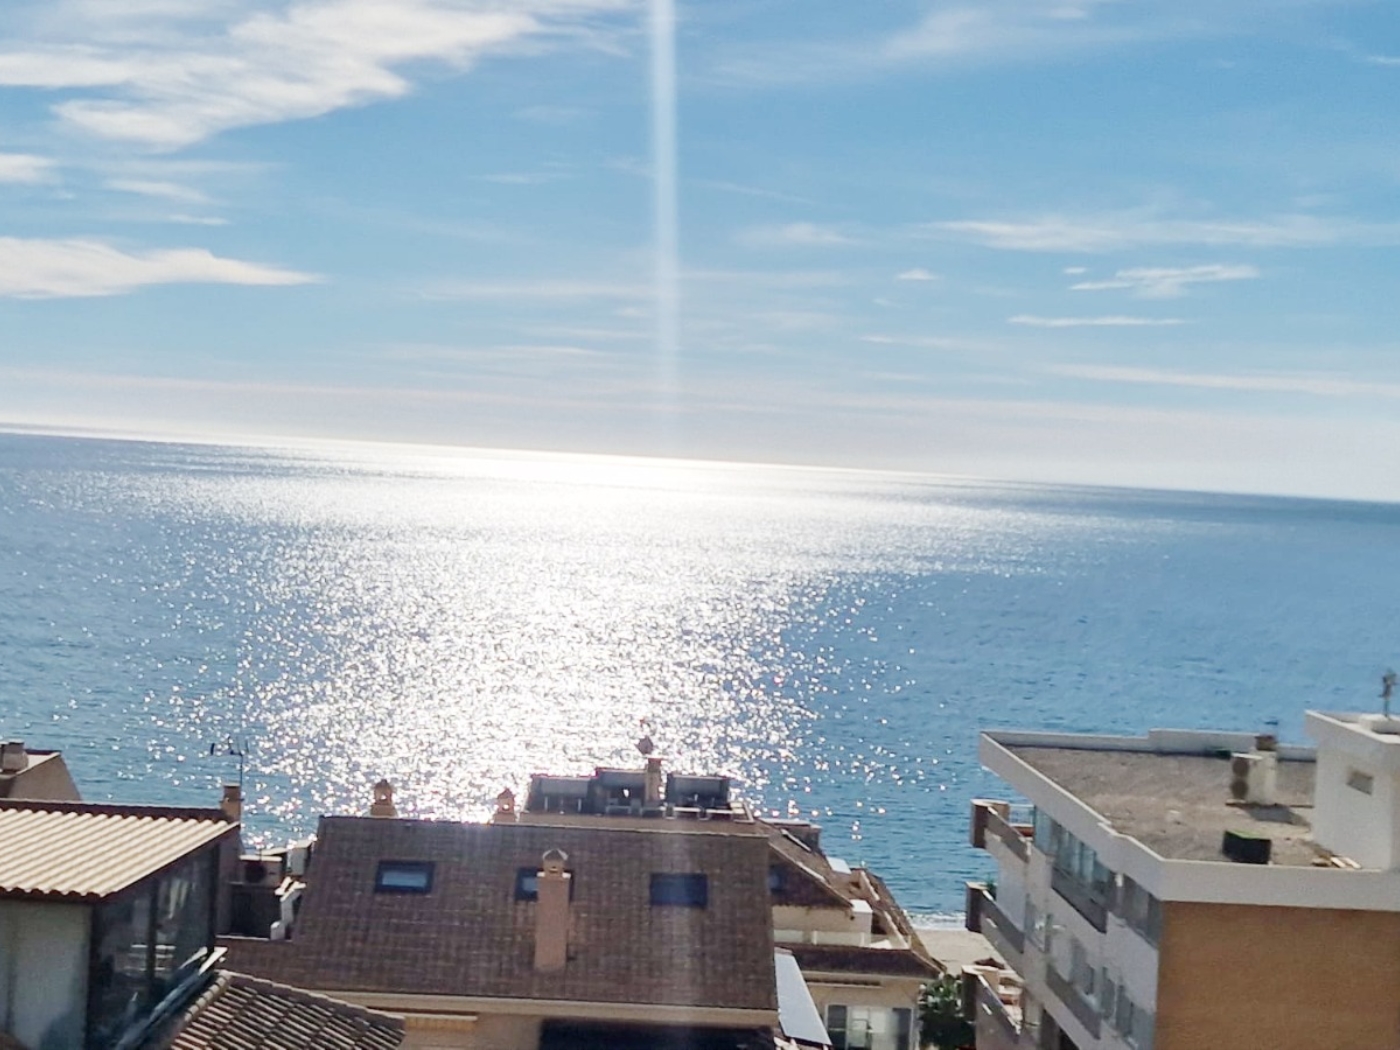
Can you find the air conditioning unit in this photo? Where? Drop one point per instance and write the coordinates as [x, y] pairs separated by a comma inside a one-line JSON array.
[[1254, 777]]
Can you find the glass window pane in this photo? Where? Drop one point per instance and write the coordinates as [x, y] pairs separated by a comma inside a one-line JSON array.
[[120, 990], [184, 921]]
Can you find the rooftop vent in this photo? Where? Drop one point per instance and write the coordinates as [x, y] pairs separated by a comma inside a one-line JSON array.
[[13, 758], [1254, 777], [1244, 848]]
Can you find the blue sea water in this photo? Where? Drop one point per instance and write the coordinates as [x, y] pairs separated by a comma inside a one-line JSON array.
[[455, 620]]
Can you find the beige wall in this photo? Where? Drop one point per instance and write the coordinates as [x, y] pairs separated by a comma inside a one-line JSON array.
[[1281, 978], [488, 1032]]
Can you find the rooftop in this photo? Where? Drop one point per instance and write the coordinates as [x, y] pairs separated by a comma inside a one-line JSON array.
[[237, 1012], [1179, 805], [471, 934], [77, 851]]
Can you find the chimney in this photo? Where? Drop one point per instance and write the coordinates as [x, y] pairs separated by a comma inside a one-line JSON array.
[[651, 784], [505, 807], [232, 803], [552, 913], [13, 758], [383, 805]]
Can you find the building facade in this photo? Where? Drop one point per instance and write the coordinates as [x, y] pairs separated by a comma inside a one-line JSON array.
[[1192, 890]]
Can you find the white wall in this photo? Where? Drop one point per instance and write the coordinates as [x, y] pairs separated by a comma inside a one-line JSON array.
[[43, 973]]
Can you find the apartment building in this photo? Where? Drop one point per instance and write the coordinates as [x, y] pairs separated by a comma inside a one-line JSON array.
[[1191, 890]]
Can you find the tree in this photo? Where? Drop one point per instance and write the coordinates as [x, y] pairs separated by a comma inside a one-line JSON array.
[[941, 1020]]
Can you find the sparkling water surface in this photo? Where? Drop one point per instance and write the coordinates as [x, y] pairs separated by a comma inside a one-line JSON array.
[[457, 620]]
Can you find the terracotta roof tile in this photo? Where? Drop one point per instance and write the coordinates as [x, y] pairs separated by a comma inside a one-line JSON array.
[[470, 936], [237, 1012], [82, 851]]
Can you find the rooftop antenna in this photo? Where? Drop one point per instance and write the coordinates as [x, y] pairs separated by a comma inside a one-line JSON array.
[[234, 748], [1387, 689]]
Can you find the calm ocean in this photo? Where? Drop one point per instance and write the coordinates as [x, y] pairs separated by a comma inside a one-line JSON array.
[[457, 620]]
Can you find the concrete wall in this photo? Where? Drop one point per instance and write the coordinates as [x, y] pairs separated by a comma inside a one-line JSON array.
[[46, 778], [823, 920], [43, 973], [1282, 978]]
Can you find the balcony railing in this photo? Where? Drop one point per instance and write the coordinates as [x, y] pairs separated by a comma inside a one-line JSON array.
[[1084, 1011], [989, 1002], [985, 916], [1015, 836], [1081, 898]]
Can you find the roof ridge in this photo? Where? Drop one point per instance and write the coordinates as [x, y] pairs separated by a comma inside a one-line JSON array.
[[302, 995], [116, 809]]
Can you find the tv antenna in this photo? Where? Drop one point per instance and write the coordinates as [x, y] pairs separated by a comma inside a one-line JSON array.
[[233, 747], [1387, 690]]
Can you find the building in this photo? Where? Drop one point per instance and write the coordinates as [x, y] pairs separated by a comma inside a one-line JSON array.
[[30, 774], [857, 952], [1193, 890], [107, 936], [515, 936]]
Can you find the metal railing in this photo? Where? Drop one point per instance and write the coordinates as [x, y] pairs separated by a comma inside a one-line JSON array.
[[1015, 839], [1084, 1011]]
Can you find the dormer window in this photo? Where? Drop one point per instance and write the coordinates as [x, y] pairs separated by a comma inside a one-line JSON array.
[[688, 890], [404, 876]]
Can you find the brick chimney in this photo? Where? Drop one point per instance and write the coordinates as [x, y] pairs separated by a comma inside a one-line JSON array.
[[13, 757], [552, 913], [232, 803], [651, 783], [383, 804], [505, 806]]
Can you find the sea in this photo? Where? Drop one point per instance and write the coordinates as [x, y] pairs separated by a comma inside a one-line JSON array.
[[454, 620]]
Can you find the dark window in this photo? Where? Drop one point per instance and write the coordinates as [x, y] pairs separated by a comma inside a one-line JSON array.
[[776, 881], [527, 883], [404, 876], [686, 891]]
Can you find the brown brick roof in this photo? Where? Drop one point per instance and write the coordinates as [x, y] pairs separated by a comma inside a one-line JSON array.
[[237, 1012], [469, 936], [77, 851]]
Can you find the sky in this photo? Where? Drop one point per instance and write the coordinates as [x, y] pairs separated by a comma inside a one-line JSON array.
[[1098, 241]]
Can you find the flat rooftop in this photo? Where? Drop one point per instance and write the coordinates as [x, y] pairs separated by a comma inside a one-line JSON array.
[[1179, 804]]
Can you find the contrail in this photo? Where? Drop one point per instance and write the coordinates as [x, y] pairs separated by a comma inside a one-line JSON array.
[[663, 160]]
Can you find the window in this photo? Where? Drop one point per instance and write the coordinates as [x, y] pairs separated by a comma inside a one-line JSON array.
[[868, 1027], [404, 876], [686, 891], [1359, 781], [1140, 910], [776, 881]]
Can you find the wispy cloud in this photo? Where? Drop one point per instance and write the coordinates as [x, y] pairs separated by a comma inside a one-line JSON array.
[[1271, 383], [24, 167], [542, 290], [1114, 321], [918, 273], [1164, 282], [794, 235], [54, 269], [170, 191], [1119, 231], [1015, 29], [182, 79], [524, 178], [751, 191], [1383, 60]]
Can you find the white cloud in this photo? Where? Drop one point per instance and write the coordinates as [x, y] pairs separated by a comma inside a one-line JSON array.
[[923, 342], [794, 235], [170, 191], [1124, 230], [1163, 282], [182, 79], [1075, 271], [24, 167], [53, 269], [1094, 322], [1383, 60], [918, 273], [1272, 383]]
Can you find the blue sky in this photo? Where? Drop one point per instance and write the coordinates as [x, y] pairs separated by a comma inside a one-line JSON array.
[[1073, 240]]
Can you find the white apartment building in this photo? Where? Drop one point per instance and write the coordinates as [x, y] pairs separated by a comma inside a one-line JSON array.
[[1193, 890]]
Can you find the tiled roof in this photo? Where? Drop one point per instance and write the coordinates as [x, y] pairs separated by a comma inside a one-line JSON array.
[[884, 962], [85, 852], [238, 1012], [469, 936]]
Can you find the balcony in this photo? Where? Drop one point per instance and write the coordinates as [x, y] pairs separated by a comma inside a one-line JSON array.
[[994, 818], [842, 938], [1001, 1008], [1084, 1011], [985, 916]]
